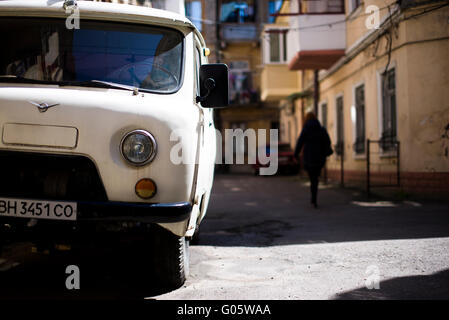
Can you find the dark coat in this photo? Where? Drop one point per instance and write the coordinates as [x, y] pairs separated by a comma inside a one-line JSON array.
[[315, 140]]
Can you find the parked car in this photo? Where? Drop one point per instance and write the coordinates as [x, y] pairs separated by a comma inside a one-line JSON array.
[[287, 163], [86, 118]]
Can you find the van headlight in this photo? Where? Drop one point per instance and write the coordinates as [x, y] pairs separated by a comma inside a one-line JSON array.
[[138, 147]]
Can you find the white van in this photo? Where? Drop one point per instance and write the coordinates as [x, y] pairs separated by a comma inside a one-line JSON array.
[[90, 97]]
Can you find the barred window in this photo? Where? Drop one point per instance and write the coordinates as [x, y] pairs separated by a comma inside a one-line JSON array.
[[389, 126], [340, 126], [359, 145]]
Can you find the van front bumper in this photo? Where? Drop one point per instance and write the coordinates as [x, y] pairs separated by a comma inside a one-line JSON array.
[[135, 212], [94, 220]]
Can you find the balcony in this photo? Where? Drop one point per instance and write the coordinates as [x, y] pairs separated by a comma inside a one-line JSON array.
[[236, 32], [317, 36], [277, 82], [238, 20]]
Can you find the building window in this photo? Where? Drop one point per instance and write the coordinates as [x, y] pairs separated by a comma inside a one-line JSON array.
[[194, 12], [241, 89], [273, 8], [340, 126], [274, 125], [289, 132], [238, 11], [389, 129], [323, 6], [324, 115], [359, 145], [275, 46], [354, 4]]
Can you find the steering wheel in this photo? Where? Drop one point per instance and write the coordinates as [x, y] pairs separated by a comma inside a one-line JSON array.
[[138, 74]]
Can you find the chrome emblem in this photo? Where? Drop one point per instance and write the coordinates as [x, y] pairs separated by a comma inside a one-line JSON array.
[[43, 107]]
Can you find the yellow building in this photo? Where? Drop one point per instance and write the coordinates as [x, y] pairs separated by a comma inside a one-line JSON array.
[[389, 84], [392, 85]]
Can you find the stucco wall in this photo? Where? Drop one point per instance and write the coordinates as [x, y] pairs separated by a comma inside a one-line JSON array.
[[419, 56], [278, 82]]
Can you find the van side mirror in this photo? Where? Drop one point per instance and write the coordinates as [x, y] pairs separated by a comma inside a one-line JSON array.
[[214, 86]]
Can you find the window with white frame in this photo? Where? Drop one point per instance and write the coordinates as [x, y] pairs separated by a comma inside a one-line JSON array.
[[275, 46], [359, 143]]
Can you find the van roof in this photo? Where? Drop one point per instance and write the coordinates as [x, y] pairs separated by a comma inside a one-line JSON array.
[[97, 10]]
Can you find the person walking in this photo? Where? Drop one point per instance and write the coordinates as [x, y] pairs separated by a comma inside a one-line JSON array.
[[317, 146]]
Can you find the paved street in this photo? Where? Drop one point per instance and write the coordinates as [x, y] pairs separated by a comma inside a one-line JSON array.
[[262, 240]]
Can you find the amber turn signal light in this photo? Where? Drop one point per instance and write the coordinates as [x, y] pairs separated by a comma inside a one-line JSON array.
[[146, 188]]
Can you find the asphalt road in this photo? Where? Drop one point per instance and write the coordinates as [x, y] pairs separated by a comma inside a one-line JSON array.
[[261, 239]]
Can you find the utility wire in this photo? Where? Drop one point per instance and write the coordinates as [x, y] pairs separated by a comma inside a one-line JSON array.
[[330, 24]]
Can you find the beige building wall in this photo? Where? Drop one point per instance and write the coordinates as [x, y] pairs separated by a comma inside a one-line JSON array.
[[428, 92], [420, 50], [357, 18], [277, 82]]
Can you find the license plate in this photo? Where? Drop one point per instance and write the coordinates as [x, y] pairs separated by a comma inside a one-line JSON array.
[[36, 209]]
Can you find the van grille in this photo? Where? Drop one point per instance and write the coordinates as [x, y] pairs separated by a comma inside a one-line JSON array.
[[49, 176]]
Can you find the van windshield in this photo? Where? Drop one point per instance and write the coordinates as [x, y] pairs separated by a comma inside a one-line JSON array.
[[147, 57]]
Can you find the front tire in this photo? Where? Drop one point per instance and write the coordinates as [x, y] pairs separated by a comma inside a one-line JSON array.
[[170, 257]]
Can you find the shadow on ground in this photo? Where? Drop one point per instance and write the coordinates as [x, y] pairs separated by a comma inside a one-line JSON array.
[[426, 287], [105, 274]]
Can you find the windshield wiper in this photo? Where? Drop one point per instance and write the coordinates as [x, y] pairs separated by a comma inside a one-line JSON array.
[[99, 83], [89, 83], [19, 79]]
